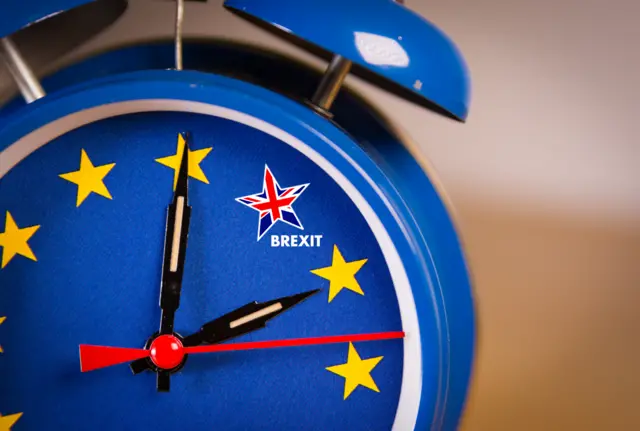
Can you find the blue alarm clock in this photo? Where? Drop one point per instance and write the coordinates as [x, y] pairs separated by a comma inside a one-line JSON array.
[[198, 235]]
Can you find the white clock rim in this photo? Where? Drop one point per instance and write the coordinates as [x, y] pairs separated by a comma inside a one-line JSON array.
[[411, 388]]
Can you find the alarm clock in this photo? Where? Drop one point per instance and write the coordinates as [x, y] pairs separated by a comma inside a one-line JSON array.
[[201, 235]]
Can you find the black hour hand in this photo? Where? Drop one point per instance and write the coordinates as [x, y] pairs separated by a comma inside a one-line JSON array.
[[241, 321], [245, 319]]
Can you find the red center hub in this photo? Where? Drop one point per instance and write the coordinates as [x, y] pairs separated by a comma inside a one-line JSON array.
[[166, 352]]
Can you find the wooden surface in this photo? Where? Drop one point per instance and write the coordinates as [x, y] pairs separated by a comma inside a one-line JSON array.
[[559, 307]]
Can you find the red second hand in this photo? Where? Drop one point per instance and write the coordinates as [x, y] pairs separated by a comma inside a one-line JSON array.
[[95, 357], [294, 342]]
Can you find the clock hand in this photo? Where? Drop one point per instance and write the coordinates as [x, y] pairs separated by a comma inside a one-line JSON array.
[[175, 245], [168, 350], [248, 318], [294, 342]]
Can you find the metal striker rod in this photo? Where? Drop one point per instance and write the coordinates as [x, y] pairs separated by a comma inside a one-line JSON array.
[[22, 74], [179, 21], [331, 82]]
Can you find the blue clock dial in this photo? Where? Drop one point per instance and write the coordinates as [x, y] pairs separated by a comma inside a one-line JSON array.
[[87, 242]]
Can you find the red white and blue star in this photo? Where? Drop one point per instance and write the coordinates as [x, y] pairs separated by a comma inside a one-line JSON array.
[[274, 203]]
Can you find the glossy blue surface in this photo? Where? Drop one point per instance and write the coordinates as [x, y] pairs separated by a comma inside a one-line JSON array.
[[427, 243], [17, 14], [97, 278], [381, 36]]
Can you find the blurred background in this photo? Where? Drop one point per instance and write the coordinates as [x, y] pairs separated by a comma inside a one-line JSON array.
[[544, 179]]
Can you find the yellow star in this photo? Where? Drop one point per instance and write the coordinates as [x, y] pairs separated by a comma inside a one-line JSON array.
[[89, 178], [341, 274], [2, 319], [195, 158], [14, 241], [6, 422], [357, 372]]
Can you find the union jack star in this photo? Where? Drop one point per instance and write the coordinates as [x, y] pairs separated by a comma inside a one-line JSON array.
[[274, 203]]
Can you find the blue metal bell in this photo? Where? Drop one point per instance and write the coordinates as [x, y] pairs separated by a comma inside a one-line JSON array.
[[17, 14], [388, 44]]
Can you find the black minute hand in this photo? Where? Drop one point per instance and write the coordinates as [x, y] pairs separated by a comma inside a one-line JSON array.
[[175, 247]]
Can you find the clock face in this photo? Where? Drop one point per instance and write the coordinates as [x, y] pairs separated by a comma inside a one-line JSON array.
[[91, 225]]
